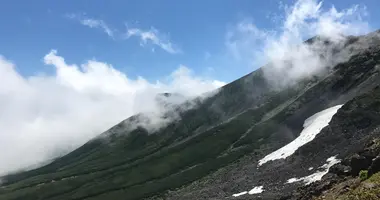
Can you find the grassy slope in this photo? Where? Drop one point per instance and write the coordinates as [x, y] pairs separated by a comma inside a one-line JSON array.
[[354, 189], [140, 165], [137, 165], [368, 190]]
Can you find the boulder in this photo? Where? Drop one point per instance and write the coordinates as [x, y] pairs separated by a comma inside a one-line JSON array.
[[375, 166], [358, 162], [340, 170]]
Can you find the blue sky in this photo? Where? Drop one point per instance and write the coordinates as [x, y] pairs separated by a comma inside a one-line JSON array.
[[197, 28]]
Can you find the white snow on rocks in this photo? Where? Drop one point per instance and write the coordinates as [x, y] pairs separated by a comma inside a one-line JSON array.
[[240, 194], [255, 190], [318, 175], [312, 126]]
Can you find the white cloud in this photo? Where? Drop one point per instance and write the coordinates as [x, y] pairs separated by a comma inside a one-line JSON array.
[[44, 116], [184, 80], [93, 23], [283, 47], [153, 36], [146, 37]]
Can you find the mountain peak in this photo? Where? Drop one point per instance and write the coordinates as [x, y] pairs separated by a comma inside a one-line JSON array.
[[216, 149]]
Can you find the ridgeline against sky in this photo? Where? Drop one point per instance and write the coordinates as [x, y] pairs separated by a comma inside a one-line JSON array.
[[70, 72]]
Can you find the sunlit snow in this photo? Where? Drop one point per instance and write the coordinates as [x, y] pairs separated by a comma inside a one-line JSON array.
[[256, 190], [318, 175], [312, 126], [240, 194]]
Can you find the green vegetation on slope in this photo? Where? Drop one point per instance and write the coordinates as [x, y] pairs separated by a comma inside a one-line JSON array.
[[354, 189], [140, 164], [245, 116]]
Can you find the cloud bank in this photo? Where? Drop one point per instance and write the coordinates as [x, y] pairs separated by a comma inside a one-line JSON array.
[[48, 115], [289, 58]]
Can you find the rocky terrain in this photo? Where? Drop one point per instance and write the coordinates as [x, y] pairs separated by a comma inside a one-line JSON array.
[[216, 147]]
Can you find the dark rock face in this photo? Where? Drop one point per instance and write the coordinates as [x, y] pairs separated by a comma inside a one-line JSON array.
[[359, 163], [212, 151], [315, 189], [349, 167], [341, 170], [343, 137], [375, 166]]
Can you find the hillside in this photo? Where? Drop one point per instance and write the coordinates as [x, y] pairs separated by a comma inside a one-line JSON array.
[[213, 148]]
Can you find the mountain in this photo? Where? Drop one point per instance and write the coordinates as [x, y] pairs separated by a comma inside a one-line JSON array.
[[248, 140]]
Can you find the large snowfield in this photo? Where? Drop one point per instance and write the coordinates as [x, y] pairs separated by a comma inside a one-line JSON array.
[[312, 126]]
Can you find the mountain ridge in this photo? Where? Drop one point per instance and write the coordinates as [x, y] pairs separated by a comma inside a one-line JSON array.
[[216, 139]]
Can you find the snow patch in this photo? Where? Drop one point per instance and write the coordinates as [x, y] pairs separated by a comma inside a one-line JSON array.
[[312, 126], [240, 194], [256, 190], [292, 180], [318, 175], [311, 168]]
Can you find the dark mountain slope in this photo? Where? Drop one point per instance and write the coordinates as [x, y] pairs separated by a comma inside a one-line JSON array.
[[360, 75], [246, 119], [354, 134]]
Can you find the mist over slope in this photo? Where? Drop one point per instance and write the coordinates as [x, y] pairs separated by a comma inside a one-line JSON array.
[[46, 116], [210, 146], [213, 150]]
